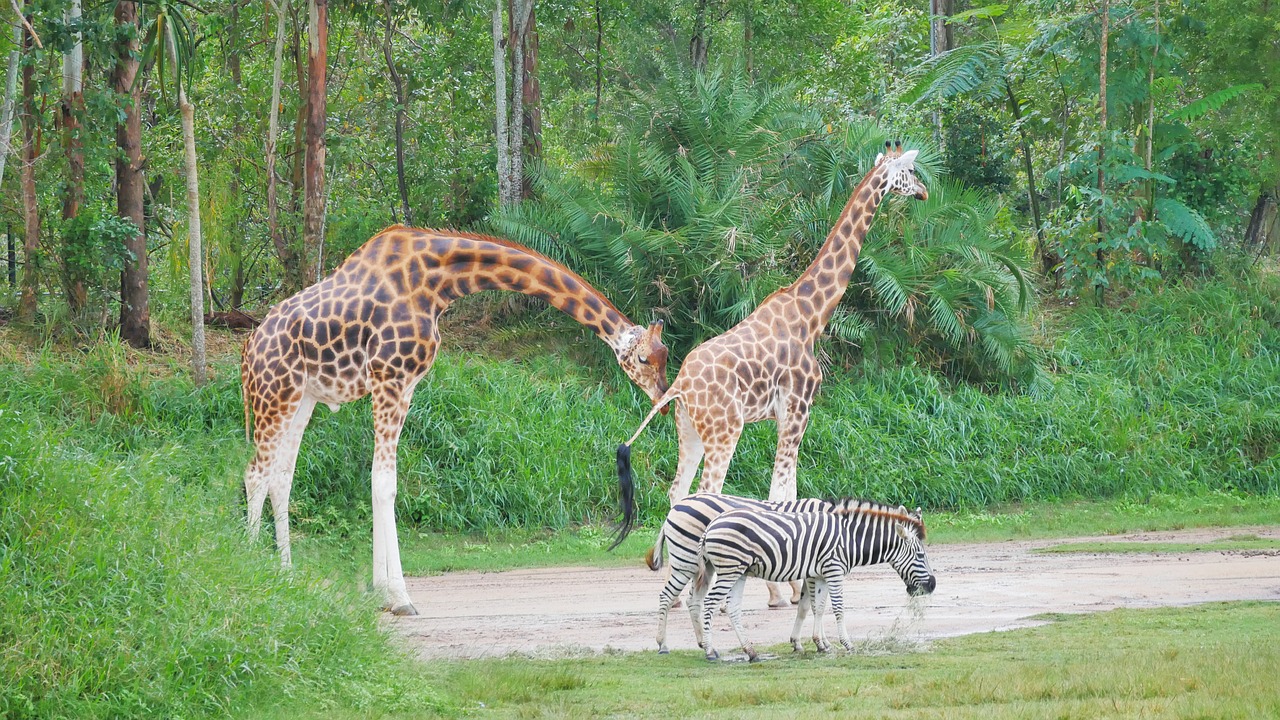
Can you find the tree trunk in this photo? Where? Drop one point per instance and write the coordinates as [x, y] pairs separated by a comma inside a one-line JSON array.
[[7, 110], [940, 41], [237, 244], [531, 98], [748, 33], [30, 209], [71, 109], [135, 306], [397, 85], [1047, 263], [599, 59], [1102, 144], [500, 101], [195, 255], [1151, 117], [313, 174], [519, 11], [288, 261], [699, 42], [1263, 220]]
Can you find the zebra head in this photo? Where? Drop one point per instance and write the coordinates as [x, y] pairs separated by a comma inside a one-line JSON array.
[[908, 556]]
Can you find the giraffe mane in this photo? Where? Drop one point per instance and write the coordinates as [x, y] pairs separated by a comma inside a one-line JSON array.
[[857, 506], [447, 233]]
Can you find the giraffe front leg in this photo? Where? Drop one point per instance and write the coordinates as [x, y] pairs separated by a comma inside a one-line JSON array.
[[390, 406], [793, 418]]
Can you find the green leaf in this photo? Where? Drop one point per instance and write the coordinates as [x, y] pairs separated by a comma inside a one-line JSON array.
[[978, 13], [1186, 223], [1212, 102]]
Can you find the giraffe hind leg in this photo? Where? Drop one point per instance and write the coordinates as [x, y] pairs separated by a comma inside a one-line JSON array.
[[280, 482]]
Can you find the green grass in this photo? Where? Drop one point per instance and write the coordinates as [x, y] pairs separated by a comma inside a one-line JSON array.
[[1237, 542], [1210, 661]]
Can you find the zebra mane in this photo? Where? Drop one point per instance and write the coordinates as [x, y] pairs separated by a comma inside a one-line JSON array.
[[858, 506]]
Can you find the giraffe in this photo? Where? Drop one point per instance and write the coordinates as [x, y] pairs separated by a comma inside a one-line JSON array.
[[372, 328], [764, 366]]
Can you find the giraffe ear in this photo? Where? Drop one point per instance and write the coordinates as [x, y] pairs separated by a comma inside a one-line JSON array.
[[655, 329], [879, 159], [908, 158]]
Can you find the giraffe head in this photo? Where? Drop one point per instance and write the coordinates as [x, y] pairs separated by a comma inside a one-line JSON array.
[[900, 170], [644, 359]]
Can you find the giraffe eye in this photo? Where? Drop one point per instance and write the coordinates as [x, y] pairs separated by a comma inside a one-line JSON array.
[[643, 358]]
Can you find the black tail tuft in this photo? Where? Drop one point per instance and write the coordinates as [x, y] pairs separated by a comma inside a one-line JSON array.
[[626, 495]]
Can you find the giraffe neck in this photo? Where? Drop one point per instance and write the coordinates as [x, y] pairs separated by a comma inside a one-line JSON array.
[[473, 263], [824, 282]]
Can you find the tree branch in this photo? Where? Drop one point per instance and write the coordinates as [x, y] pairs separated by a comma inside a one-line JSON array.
[[23, 18]]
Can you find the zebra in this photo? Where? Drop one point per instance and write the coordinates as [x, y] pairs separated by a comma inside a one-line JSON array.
[[682, 532], [818, 548]]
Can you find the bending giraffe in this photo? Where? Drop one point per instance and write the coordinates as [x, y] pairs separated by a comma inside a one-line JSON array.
[[372, 328], [764, 366]]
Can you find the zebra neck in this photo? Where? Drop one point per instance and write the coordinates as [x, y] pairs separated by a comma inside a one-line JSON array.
[[870, 541]]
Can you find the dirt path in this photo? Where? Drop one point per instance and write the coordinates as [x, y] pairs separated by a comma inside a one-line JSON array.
[[556, 611]]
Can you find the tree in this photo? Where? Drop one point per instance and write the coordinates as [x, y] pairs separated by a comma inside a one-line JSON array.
[[30, 207], [313, 207], [135, 307], [283, 250], [530, 96], [502, 143], [1102, 143], [71, 109], [397, 86], [10, 90], [171, 39]]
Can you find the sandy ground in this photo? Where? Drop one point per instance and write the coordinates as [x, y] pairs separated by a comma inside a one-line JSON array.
[[981, 588]]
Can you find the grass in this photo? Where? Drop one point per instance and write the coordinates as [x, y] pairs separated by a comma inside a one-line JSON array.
[[1209, 661], [1228, 544]]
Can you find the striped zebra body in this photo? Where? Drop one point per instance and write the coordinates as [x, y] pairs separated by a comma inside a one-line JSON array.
[[819, 549], [682, 533]]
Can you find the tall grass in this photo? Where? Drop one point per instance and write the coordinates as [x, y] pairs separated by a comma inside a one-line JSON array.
[[128, 589]]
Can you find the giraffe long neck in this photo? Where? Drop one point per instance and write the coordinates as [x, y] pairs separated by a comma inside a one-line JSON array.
[[824, 282], [467, 264]]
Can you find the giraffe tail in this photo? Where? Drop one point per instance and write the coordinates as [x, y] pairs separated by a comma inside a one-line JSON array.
[[626, 481]]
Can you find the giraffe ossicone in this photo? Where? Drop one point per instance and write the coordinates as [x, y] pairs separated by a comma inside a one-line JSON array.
[[764, 367], [372, 328]]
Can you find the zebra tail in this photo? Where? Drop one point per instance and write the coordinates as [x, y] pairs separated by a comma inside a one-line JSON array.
[[653, 558], [702, 579]]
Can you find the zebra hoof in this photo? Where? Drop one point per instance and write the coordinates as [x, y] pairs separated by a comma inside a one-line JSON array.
[[662, 650], [405, 610], [712, 656], [796, 647], [823, 648], [753, 658]]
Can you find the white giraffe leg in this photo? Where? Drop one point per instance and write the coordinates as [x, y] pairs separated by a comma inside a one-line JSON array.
[[390, 406], [793, 417], [280, 481], [691, 452]]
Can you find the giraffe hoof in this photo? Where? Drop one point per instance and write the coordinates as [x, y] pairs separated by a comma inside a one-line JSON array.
[[780, 603], [405, 610]]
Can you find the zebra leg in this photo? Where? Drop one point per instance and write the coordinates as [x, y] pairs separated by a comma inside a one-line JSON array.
[[819, 600], [670, 593], [836, 586], [724, 583], [802, 611], [735, 617]]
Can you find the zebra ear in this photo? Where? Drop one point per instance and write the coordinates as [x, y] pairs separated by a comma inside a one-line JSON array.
[[902, 531]]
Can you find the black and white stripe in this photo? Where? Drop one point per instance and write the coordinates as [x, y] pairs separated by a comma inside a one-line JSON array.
[[682, 533], [818, 548]]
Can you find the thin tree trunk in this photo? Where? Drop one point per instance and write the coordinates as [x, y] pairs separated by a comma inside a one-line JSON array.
[[1263, 219], [519, 14], [939, 42], [7, 110], [397, 84], [313, 174], [1102, 143], [748, 33], [699, 42], [299, 152], [73, 197], [135, 305], [283, 251], [599, 59], [531, 98], [500, 100], [195, 250], [1151, 117], [1042, 249], [30, 208], [236, 246]]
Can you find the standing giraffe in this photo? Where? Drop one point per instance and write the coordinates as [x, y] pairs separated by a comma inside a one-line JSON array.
[[764, 366], [372, 328]]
